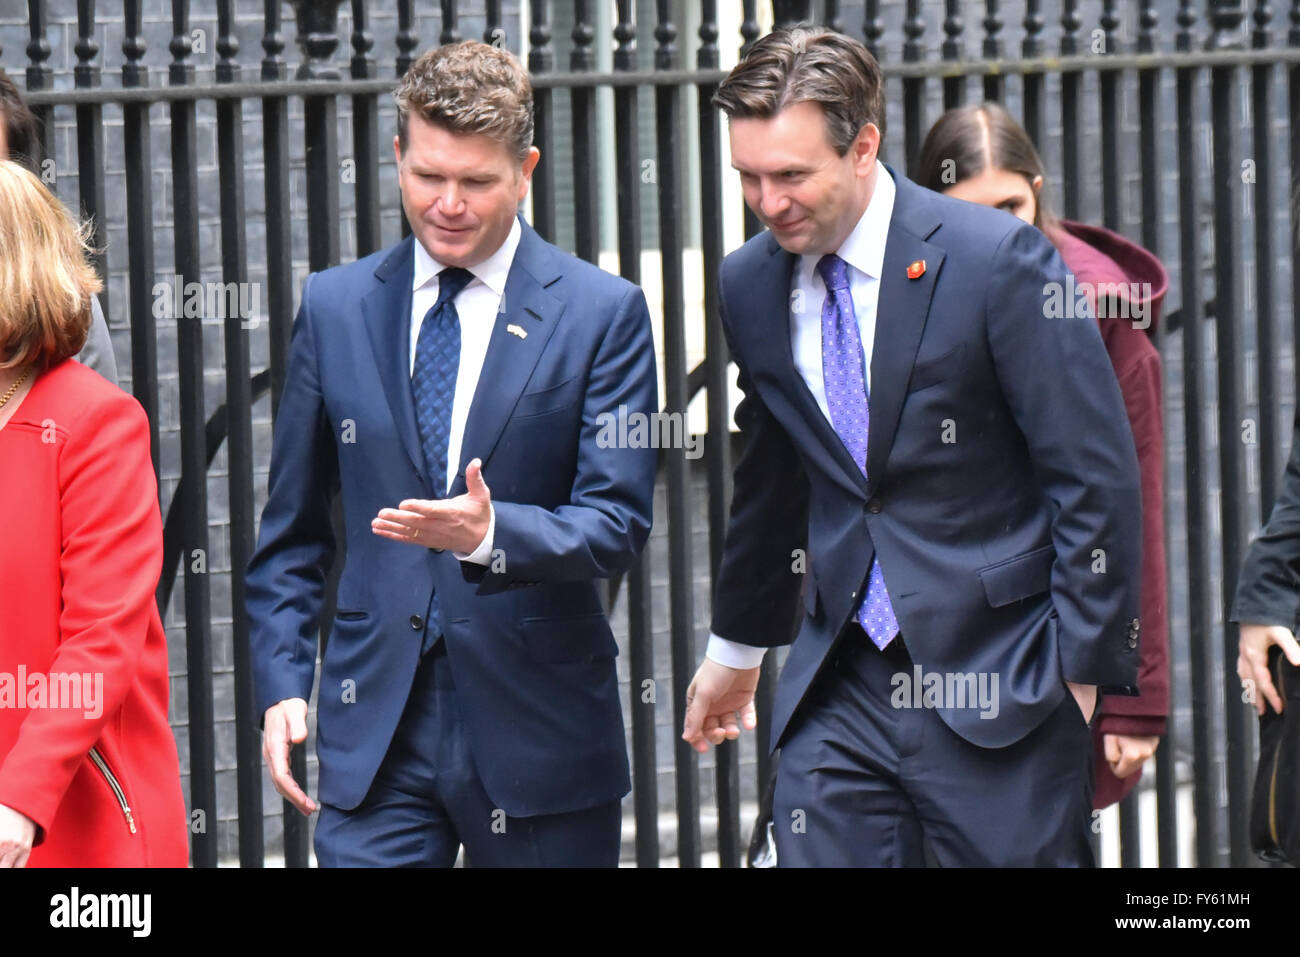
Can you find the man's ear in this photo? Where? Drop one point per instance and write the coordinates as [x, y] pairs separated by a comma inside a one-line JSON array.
[[397, 149], [526, 170], [865, 148]]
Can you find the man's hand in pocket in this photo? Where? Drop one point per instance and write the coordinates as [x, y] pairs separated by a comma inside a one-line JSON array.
[[1086, 697]]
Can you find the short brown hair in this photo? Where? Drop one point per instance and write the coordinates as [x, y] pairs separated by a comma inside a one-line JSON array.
[[469, 87], [46, 279], [808, 65], [19, 123]]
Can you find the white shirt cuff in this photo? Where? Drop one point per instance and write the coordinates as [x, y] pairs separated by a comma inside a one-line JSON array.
[[483, 554], [733, 654]]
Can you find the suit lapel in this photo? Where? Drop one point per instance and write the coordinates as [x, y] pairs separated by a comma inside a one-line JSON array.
[[511, 358], [771, 292], [903, 304], [387, 314]]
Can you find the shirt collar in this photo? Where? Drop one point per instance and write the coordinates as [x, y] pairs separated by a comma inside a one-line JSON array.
[[492, 272], [864, 249]]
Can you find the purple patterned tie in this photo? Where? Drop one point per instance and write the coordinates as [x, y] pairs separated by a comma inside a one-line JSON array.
[[846, 398]]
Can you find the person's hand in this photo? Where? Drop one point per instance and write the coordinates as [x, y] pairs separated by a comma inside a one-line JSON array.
[[459, 523], [1252, 661], [1086, 697], [1126, 752], [717, 697], [17, 831], [284, 725]]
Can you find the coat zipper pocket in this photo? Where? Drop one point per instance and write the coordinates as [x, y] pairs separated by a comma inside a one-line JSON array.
[[100, 763]]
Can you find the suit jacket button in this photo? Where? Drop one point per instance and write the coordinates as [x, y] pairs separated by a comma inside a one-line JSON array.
[[417, 622], [874, 506], [1132, 642]]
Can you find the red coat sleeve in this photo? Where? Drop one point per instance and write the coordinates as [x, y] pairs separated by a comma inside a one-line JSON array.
[[1145, 714], [111, 543]]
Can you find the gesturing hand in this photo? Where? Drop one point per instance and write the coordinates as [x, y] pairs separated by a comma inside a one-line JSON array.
[[716, 697], [458, 523], [1252, 660]]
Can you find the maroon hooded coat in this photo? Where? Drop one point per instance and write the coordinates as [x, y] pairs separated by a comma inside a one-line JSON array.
[[1126, 287]]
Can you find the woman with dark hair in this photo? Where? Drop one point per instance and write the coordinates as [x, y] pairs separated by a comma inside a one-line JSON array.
[[18, 142], [89, 775], [980, 154], [17, 125]]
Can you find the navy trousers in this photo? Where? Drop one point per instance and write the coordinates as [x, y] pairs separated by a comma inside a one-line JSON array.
[[427, 800], [865, 784]]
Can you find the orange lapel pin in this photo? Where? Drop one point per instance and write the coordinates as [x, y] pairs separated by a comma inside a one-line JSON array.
[[916, 270]]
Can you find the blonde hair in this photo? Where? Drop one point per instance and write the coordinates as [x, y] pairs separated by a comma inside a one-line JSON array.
[[46, 279], [469, 87]]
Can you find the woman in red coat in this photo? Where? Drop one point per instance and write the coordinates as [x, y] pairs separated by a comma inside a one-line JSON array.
[[89, 774], [980, 154]]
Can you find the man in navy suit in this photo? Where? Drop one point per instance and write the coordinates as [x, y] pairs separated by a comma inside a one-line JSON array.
[[451, 389], [938, 455]]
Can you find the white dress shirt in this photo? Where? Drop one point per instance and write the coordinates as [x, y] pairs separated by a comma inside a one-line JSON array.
[[864, 251], [477, 306]]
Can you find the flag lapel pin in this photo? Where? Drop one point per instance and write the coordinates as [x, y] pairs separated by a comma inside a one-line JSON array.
[[515, 330], [916, 270]]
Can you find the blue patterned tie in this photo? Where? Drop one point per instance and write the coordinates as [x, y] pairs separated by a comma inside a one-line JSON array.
[[846, 398], [433, 386]]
